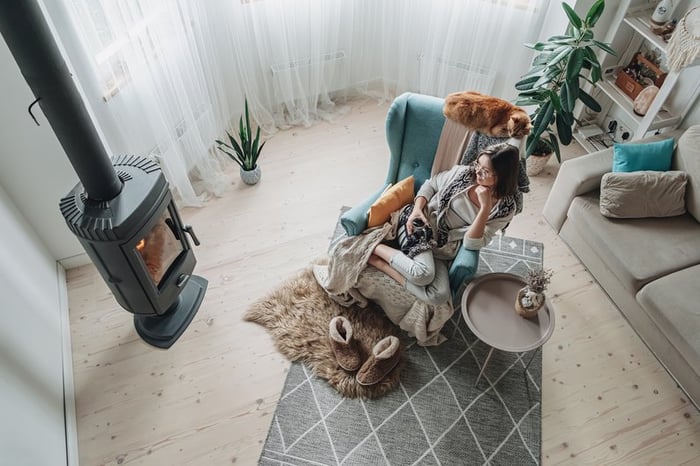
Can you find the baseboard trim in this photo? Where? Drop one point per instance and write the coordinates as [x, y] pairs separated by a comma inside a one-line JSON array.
[[75, 261], [71, 426]]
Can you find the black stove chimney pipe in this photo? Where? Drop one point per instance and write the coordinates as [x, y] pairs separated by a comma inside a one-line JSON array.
[[29, 38]]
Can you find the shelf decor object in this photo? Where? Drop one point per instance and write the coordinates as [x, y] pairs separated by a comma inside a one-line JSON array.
[[684, 45], [644, 100], [640, 73], [663, 13]]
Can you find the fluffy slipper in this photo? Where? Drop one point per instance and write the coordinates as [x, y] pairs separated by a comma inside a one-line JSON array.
[[343, 345], [385, 356]]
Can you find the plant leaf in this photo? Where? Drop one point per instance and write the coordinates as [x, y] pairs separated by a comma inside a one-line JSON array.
[[231, 156], [567, 41], [594, 13], [605, 47], [236, 147], [526, 83], [573, 17], [222, 143], [565, 52], [543, 119], [254, 149], [563, 129], [526, 102], [241, 134], [547, 79], [589, 101], [249, 132], [573, 88], [541, 46], [560, 37], [534, 71], [555, 146], [573, 68], [566, 103]]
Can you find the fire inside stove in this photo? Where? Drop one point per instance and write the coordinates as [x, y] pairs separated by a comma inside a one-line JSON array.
[[160, 248]]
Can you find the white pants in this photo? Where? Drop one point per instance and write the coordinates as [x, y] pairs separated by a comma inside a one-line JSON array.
[[426, 278]]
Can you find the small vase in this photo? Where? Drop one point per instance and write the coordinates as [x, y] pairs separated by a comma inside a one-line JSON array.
[[528, 302], [536, 163], [663, 13], [251, 177]]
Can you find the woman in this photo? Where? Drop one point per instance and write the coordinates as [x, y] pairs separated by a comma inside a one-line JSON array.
[[467, 203]]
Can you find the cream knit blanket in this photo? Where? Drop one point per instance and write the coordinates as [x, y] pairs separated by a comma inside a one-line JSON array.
[[348, 280]]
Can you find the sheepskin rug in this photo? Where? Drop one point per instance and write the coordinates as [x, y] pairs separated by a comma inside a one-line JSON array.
[[297, 314]]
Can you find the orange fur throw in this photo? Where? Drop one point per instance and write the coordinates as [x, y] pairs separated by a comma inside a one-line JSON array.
[[488, 115]]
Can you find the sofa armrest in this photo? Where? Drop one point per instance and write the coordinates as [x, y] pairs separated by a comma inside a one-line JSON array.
[[576, 176], [463, 268], [354, 220], [581, 175]]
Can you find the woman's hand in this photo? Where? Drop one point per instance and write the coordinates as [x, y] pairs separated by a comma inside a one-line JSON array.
[[486, 197], [415, 214]]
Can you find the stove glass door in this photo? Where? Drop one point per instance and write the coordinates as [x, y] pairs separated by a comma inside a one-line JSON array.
[[160, 247]]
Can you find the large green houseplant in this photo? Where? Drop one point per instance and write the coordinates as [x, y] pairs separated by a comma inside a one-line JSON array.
[[246, 152], [553, 83]]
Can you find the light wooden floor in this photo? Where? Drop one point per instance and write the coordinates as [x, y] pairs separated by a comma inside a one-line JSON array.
[[209, 399]]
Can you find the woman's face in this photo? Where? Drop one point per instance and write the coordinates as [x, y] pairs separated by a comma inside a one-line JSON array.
[[485, 174]]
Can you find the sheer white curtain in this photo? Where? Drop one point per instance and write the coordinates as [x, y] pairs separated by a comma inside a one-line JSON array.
[[155, 65], [438, 47], [174, 73]]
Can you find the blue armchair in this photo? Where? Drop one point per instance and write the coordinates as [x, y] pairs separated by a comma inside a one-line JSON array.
[[413, 127]]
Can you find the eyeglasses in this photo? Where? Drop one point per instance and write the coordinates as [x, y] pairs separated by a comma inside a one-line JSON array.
[[481, 171]]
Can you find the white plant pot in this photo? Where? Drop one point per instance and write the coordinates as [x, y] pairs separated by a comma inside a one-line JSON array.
[[536, 163], [251, 177]]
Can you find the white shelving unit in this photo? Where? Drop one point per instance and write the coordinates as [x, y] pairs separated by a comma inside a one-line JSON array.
[[628, 30]]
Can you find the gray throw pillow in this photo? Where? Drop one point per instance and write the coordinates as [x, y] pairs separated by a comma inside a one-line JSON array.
[[643, 194]]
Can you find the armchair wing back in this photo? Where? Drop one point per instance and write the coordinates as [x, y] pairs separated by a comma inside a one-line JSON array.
[[413, 127]]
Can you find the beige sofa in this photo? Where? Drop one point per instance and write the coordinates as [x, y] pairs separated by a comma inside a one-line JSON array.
[[649, 267]]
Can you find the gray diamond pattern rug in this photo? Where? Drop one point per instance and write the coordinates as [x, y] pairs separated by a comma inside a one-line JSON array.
[[437, 416]]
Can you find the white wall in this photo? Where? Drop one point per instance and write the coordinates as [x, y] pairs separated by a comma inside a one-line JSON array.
[[32, 430], [34, 169]]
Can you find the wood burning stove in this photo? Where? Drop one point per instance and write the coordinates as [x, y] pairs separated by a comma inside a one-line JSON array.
[[141, 248], [122, 211]]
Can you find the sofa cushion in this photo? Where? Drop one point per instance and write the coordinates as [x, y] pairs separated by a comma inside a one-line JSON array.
[[672, 303], [687, 159], [643, 194], [637, 250], [632, 157]]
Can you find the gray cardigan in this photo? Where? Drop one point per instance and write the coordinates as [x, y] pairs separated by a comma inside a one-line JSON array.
[[459, 212]]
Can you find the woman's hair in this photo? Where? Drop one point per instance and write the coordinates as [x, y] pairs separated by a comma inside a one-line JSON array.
[[505, 160]]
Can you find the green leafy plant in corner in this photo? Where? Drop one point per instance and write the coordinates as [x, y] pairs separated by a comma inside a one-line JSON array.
[[247, 152], [553, 82]]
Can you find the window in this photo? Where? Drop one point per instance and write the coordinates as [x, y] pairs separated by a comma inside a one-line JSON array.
[[111, 31]]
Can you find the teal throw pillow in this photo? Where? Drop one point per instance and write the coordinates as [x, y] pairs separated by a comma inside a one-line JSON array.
[[654, 156]]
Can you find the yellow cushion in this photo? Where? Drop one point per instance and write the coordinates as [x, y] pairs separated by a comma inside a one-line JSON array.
[[393, 198]]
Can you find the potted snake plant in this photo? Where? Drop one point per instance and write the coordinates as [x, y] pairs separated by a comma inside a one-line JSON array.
[[553, 83], [246, 152]]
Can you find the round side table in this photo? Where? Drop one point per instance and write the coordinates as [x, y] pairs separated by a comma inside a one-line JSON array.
[[488, 307]]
